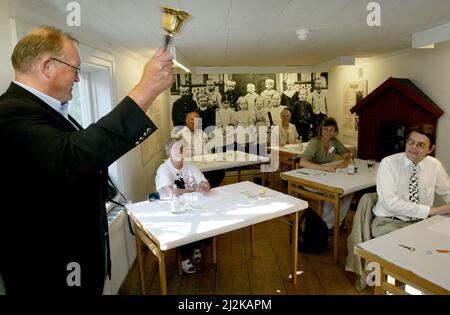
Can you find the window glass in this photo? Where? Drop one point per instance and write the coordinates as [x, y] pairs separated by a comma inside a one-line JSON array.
[[75, 108]]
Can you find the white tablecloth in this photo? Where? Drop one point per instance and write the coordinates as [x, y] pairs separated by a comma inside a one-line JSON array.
[[349, 183], [426, 237], [223, 209]]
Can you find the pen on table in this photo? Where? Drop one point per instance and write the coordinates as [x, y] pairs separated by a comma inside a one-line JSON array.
[[407, 247], [303, 172]]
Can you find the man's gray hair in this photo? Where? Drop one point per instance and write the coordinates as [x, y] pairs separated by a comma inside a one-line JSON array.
[[44, 40]]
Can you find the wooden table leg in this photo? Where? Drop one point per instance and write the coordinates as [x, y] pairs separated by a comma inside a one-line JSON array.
[[162, 274], [320, 207], [140, 263], [159, 255], [252, 240], [383, 279], [337, 213], [294, 247], [214, 250]]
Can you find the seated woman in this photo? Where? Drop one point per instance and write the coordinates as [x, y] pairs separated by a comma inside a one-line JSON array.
[[179, 172], [322, 150], [288, 131]]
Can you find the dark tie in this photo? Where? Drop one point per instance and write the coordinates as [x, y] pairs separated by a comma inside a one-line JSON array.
[[64, 109], [414, 185]]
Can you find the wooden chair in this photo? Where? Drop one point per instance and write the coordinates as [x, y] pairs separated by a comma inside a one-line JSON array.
[[361, 232]]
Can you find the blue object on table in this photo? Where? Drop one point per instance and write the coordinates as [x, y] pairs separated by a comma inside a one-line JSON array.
[[153, 196]]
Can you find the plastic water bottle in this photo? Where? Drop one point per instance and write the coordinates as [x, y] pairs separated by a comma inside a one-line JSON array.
[[174, 203], [351, 166]]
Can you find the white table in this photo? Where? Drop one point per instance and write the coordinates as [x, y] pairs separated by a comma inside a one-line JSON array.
[[222, 210], [227, 160], [426, 268], [326, 186]]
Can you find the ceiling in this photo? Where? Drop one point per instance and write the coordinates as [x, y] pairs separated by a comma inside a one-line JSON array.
[[261, 32]]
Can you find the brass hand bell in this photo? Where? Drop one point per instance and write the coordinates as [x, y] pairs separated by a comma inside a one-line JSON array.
[[172, 21]]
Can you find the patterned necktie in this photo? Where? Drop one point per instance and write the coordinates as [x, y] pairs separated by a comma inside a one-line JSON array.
[[414, 185]]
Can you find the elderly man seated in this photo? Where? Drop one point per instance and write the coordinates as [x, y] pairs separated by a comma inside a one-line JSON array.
[[196, 142], [176, 177]]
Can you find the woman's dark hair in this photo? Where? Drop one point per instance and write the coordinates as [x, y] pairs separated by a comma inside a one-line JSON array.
[[327, 122], [426, 130]]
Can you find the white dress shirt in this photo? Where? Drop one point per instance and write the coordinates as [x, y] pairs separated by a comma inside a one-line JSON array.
[[393, 177], [194, 143]]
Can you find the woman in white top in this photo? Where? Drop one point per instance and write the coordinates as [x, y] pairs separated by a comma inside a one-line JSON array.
[[188, 178], [288, 131]]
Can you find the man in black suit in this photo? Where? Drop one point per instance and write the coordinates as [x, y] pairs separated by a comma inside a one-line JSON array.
[[53, 227]]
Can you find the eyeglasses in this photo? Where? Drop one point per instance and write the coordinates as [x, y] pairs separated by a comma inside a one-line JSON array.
[[418, 144], [77, 69]]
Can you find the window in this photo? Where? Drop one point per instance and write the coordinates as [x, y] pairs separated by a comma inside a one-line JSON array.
[[93, 98], [80, 107]]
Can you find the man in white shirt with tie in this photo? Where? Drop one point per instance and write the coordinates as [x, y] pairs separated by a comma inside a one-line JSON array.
[[407, 183]]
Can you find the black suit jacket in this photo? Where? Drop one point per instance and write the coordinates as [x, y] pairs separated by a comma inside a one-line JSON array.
[[53, 190]]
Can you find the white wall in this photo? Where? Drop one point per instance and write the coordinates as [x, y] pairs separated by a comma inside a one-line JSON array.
[[6, 49], [137, 180], [429, 69]]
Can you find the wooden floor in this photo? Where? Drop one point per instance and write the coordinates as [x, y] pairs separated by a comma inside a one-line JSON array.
[[238, 273]]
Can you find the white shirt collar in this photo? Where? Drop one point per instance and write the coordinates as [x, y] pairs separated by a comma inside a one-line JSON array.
[[52, 102], [408, 163]]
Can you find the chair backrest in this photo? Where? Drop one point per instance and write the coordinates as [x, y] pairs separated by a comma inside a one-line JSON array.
[[361, 232], [365, 206]]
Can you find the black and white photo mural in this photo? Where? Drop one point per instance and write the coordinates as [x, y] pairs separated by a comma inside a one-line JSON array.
[[250, 100]]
